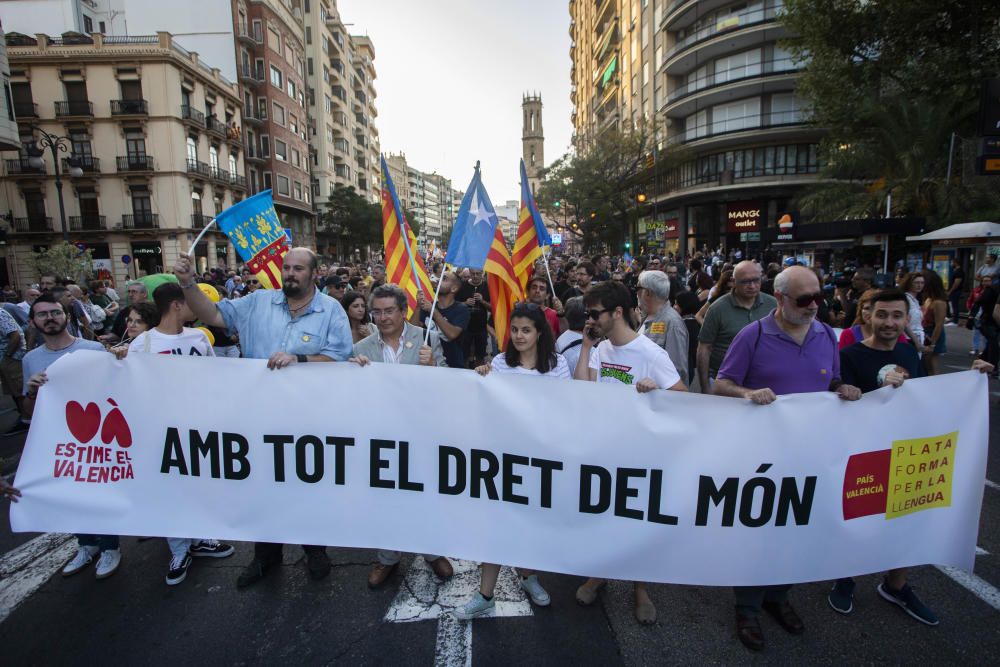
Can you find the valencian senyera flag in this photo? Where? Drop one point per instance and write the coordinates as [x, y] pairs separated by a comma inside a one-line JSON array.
[[403, 265], [254, 229], [531, 234], [477, 243]]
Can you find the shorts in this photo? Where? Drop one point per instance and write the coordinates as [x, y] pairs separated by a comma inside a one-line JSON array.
[[12, 377], [941, 346]]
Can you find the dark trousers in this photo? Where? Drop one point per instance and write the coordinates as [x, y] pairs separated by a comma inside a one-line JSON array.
[[750, 598], [102, 542], [955, 299], [474, 346], [269, 552], [991, 353]]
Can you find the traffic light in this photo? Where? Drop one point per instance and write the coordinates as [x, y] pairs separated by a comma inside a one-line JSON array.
[[558, 204], [628, 245]]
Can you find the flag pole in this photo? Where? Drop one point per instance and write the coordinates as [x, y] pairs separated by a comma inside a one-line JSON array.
[[430, 318], [548, 273], [198, 238]]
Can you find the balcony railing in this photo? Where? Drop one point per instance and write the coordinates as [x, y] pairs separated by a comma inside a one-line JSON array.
[[197, 167], [199, 220], [87, 223], [248, 33], [734, 74], [34, 223], [141, 221], [218, 174], [253, 153], [238, 180], [732, 22], [74, 108], [135, 163], [129, 108], [217, 126], [88, 163], [25, 109], [191, 114], [23, 166], [251, 73]]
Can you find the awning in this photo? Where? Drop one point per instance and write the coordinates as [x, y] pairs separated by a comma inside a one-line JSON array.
[[963, 230]]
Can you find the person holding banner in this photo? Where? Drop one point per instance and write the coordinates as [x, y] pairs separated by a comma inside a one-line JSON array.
[[295, 325], [876, 361], [396, 341], [170, 336], [787, 352], [50, 317], [626, 357], [531, 351]]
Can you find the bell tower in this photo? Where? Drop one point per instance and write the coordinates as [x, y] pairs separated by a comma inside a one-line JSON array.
[[532, 138]]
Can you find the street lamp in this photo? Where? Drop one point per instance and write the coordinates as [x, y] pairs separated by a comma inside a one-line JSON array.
[[56, 144]]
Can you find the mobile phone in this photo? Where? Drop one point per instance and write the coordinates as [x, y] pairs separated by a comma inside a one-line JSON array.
[[592, 334]]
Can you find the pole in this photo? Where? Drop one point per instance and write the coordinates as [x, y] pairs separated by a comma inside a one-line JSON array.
[[59, 194], [430, 318], [951, 152], [885, 242], [198, 238], [545, 259]]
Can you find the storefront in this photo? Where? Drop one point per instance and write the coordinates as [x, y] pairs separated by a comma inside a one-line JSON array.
[[968, 242], [834, 245], [147, 258]]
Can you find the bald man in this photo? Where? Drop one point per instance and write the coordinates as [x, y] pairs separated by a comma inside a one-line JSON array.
[[787, 352], [294, 325]]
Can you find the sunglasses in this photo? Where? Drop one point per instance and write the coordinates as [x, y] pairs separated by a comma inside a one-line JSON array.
[[253, 282], [594, 313], [804, 300]]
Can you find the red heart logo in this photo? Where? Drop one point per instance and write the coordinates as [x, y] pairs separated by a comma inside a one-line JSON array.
[[116, 428], [83, 423]]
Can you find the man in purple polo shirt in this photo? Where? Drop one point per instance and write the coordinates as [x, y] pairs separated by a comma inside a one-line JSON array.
[[787, 352]]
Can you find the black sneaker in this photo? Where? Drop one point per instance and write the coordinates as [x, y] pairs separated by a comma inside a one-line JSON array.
[[178, 569], [211, 549], [841, 597], [908, 601]]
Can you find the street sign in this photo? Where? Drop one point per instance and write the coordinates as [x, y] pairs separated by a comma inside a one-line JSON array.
[[557, 239], [126, 259]]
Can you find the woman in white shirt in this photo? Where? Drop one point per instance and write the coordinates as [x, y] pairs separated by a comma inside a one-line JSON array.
[[912, 285], [531, 351]]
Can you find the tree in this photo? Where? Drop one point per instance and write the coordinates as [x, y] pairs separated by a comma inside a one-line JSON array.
[[64, 260], [891, 81], [597, 183], [352, 218]]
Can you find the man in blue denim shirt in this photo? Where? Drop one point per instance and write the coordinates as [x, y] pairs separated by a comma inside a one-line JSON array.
[[296, 325]]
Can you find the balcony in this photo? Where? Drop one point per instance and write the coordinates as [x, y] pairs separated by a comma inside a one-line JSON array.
[[218, 174], [22, 167], [73, 108], [217, 127], [253, 153], [200, 220], [249, 36], [129, 108], [192, 116], [25, 110], [141, 221], [738, 36], [727, 85], [88, 163], [251, 75], [135, 163], [234, 135], [34, 223], [197, 167], [753, 123], [87, 223], [238, 181]]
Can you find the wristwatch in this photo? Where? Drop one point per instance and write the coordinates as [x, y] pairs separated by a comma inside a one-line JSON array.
[[301, 358]]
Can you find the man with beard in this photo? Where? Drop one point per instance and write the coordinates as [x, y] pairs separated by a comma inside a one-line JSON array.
[[50, 318], [295, 325]]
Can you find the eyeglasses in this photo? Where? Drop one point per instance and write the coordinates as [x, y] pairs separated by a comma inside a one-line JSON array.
[[804, 300], [595, 314], [50, 314], [387, 312], [748, 281], [527, 305]]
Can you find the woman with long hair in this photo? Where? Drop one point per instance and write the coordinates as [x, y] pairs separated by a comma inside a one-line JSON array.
[[530, 351], [139, 317], [861, 327], [912, 285], [935, 312], [356, 306]]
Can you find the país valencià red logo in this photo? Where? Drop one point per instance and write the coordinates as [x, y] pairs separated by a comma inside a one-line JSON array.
[[96, 463]]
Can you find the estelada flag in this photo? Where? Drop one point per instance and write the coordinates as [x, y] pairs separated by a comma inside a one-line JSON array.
[[403, 265], [505, 290], [531, 234], [254, 229]]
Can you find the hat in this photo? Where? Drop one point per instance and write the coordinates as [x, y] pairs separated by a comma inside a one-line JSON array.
[[790, 261]]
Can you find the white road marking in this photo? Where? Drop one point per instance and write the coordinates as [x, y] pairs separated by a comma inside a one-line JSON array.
[[993, 485], [26, 568], [975, 585], [422, 598]]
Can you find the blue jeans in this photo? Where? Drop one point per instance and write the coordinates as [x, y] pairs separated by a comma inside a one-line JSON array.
[[102, 542]]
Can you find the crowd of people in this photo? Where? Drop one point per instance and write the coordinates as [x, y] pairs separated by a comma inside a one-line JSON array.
[[740, 329]]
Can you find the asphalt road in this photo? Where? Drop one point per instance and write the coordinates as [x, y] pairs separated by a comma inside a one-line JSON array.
[[133, 618]]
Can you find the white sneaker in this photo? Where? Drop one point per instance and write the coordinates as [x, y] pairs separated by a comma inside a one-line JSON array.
[[474, 608], [108, 563], [81, 560], [535, 591]]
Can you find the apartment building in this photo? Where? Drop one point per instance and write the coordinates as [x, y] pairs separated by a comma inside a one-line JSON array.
[[428, 196], [722, 87], [341, 78], [154, 151]]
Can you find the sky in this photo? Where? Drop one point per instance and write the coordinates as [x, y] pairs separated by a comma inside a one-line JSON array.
[[450, 77]]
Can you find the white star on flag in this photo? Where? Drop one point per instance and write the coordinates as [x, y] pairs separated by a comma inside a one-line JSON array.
[[480, 212]]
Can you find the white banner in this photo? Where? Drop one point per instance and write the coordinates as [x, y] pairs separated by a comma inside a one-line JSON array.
[[562, 476]]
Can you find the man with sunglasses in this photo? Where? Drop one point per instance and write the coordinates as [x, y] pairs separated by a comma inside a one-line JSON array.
[[787, 352], [727, 316], [625, 357]]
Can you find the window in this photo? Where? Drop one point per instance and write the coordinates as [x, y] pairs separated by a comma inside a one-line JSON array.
[[696, 125], [276, 77], [309, 35], [267, 180], [738, 115], [81, 146], [273, 39], [785, 108], [88, 25], [296, 158], [192, 149], [298, 190], [135, 143], [265, 145], [290, 89], [737, 66], [327, 104], [329, 136], [131, 90], [293, 123], [283, 185], [645, 73], [213, 157], [279, 114], [281, 150]]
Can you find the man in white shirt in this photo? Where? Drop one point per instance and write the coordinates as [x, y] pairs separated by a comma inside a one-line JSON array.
[[170, 336], [625, 357], [570, 341]]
